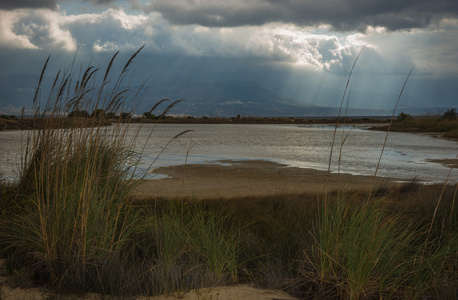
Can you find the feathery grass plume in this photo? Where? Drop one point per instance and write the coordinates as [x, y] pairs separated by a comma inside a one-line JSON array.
[[166, 145], [131, 59], [157, 104], [168, 108], [37, 88], [110, 64], [56, 79]]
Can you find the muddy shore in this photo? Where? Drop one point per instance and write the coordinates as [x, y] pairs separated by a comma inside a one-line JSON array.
[[231, 179]]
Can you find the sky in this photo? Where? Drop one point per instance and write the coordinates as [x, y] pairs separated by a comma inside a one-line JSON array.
[[301, 49]]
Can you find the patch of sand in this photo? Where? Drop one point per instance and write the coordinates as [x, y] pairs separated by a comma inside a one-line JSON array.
[[236, 292], [7, 292], [248, 178]]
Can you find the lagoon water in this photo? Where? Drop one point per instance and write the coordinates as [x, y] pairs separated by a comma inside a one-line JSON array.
[[405, 156]]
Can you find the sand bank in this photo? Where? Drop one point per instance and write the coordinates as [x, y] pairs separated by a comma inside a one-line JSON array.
[[248, 178]]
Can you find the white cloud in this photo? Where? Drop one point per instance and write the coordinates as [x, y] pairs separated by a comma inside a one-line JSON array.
[[10, 39], [105, 47], [126, 21], [35, 29], [109, 30]]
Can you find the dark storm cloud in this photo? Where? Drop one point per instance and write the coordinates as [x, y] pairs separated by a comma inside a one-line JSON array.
[[51, 4], [14, 4], [342, 15], [100, 1]]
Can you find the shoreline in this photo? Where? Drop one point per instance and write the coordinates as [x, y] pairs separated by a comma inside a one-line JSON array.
[[233, 178]]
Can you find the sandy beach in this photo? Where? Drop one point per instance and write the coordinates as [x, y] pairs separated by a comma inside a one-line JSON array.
[[230, 179]]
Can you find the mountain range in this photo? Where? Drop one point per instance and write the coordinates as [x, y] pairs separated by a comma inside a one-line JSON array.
[[211, 98]]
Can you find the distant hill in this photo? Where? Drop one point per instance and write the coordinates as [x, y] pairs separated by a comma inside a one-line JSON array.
[[211, 98]]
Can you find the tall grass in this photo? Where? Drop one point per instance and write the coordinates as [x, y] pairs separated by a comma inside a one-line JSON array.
[[69, 221], [187, 246], [71, 215], [366, 251]]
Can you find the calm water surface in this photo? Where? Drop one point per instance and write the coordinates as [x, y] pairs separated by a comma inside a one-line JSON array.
[[406, 155]]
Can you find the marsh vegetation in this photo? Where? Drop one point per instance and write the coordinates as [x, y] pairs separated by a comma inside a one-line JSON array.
[[445, 124]]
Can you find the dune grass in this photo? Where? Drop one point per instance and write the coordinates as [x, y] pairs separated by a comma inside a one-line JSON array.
[[368, 251], [70, 223], [68, 216]]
